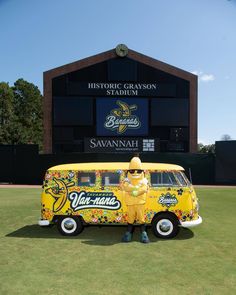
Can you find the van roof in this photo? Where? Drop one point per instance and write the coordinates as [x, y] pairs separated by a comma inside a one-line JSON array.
[[115, 166]]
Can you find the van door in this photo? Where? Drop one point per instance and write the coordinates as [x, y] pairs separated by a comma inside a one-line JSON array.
[[110, 186], [100, 196], [170, 192]]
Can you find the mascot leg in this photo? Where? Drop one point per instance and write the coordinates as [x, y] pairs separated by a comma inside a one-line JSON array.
[[129, 233], [143, 234]]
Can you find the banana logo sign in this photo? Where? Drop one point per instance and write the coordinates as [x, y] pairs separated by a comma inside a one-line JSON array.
[[59, 192], [121, 118]]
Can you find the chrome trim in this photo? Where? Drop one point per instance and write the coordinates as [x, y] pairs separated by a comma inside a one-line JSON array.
[[43, 222], [191, 223]]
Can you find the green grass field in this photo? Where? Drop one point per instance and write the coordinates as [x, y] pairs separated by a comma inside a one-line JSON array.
[[36, 260]]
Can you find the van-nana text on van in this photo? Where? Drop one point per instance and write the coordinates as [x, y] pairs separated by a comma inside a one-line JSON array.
[[84, 200]]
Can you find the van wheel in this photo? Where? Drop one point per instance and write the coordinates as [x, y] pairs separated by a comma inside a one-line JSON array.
[[70, 225], [165, 226]]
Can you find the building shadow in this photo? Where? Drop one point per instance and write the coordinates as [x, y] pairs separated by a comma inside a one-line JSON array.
[[92, 235]]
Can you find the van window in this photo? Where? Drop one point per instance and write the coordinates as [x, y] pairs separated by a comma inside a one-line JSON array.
[[163, 179], [110, 178], [181, 179], [86, 179]]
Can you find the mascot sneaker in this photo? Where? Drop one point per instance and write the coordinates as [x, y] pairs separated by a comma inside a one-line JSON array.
[[144, 238], [127, 237]]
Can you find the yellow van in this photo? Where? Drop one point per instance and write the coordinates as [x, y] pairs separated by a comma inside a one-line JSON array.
[[75, 195]]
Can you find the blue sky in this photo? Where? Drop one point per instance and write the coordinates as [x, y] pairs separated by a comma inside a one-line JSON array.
[[195, 35]]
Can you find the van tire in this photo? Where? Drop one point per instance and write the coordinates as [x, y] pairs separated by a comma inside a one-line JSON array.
[[165, 226], [70, 225]]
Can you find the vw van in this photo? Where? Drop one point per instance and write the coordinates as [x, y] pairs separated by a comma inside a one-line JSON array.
[[75, 195]]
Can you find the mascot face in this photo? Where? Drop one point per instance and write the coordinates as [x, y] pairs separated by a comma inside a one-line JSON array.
[[135, 171]]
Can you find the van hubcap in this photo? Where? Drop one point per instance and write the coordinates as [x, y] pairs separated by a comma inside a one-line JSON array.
[[68, 225], [164, 227]]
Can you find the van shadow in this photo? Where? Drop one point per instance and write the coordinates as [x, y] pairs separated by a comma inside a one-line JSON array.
[[92, 235], [111, 236]]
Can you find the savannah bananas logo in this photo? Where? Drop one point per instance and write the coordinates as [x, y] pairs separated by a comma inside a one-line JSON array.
[[121, 119]]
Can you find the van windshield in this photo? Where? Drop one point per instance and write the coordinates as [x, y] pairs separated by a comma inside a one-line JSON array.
[[171, 178], [182, 179]]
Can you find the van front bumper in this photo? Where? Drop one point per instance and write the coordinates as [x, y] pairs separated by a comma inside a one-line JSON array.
[[191, 223], [42, 222]]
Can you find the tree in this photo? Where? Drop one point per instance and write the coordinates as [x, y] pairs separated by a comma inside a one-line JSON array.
[[28, 112], [206, 149], [226, 137], [6, 113]]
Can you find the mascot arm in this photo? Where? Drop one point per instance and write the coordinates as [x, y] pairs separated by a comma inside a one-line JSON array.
[[134, 190], [141, 191], [127, 187]]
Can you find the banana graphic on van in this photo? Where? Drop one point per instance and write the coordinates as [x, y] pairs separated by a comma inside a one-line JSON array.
[[59, 192]]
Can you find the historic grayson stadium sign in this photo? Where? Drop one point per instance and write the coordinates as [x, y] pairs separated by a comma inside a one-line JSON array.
[[121, 89], [114, 144]]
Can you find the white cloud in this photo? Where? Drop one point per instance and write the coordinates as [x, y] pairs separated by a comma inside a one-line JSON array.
[[204, 77], [197, 73], [207, 77]]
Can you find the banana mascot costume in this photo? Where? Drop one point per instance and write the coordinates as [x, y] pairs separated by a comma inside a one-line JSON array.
[[135, 188]]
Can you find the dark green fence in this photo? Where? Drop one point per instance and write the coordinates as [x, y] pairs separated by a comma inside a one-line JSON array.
[[22, 164]]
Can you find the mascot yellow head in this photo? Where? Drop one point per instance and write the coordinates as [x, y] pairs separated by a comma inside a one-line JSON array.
[[135, 172]]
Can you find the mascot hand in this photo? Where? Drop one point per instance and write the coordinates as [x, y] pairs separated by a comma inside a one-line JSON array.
[[134, 193]]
